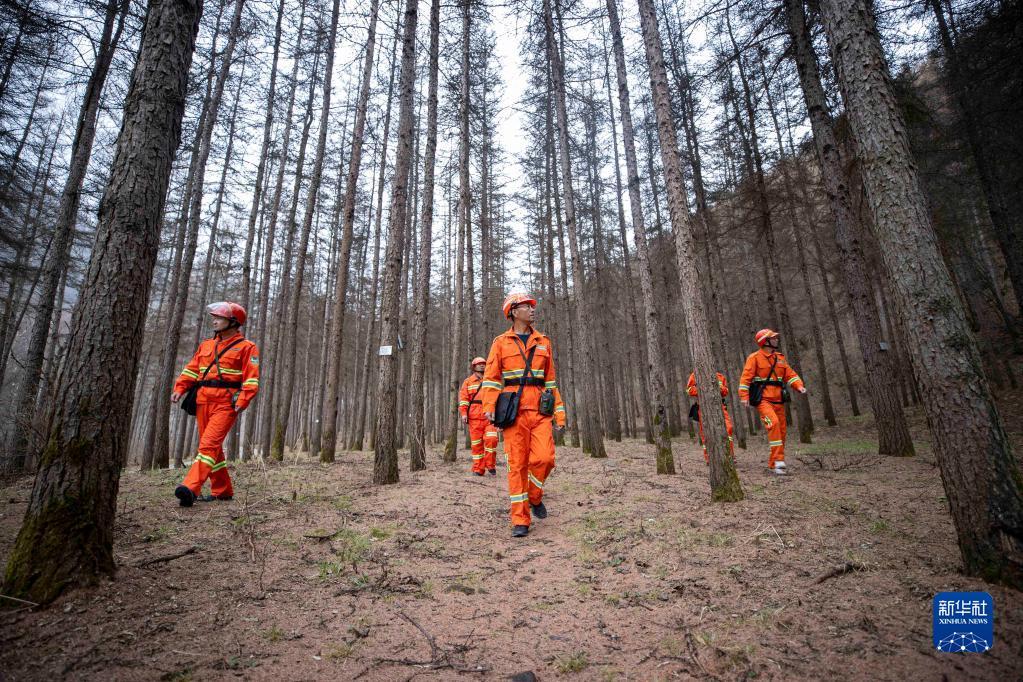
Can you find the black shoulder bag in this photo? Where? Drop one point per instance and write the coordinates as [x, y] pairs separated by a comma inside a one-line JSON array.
[[507, 408], [188, 401], [756, 390]]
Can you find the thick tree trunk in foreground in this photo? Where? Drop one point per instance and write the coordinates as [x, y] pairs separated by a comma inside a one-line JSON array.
[[978, 468], [67, 534], [724, 481], [892, 430], [417, 444]]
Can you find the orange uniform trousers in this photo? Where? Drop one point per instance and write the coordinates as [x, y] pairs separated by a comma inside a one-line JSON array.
[[483, 438], [728, 426], [529, 444], [215, 422], [772, 416]]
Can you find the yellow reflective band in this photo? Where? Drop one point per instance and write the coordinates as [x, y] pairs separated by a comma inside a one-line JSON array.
[[536, 481], [225, 370], [477, 456], [559, 408], [218, 467], [551, 384], [741, 386], [462, 403], [189, 373], [775, 443], [477, 442], [521, 497], [208, 461], [492, 384], [489, 449], [793, 380], [251, 382]]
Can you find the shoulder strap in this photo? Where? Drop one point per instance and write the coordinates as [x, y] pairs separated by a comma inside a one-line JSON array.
[[529, 360], [770, 373]]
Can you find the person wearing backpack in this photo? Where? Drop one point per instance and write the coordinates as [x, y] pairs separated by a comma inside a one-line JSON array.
[[520, 395], [765, 383], [218, 383], [482, 434]]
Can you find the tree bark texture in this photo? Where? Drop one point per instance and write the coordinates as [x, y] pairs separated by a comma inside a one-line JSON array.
[[67, 534], [978, 468]]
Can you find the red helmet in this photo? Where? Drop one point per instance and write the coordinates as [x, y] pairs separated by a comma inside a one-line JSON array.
[[228, 310], [516, 299], [763, 335], [478, 361]]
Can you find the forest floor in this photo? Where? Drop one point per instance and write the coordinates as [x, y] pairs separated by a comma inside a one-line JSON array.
[[312, 572]]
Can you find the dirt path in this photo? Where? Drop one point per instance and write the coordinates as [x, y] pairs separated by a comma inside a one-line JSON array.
[[313, 573]]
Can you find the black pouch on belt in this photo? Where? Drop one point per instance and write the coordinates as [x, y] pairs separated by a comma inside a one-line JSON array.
[[546, 403]]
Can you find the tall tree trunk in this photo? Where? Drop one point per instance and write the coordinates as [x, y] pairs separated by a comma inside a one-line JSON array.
[[586, 371], [291, 328], [724, 481], [67, 535], [417, 444], [776, 292], [162, 390], [385, 467], [983, 481], [893, 431], [257, 187], [464, 226], [330, 412]]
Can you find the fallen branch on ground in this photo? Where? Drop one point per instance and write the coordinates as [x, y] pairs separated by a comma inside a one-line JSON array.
[[842, 569], [170, 557]]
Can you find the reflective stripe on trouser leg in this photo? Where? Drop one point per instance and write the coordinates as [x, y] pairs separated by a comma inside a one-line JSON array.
[[215, 422], [773, 418], [476, 429], [529, 444], [490, 447]]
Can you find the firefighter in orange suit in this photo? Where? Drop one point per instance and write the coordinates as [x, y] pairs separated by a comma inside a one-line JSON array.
[[723, 386], [767, 365], [482, 434], [529, 442], [226, 367]]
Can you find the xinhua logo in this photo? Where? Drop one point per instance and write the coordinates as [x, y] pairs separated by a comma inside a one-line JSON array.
[[964, 622]]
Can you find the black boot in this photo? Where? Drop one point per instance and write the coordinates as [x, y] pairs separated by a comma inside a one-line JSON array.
[[493, 472], [185, 496], [520, 531], [539, 511]]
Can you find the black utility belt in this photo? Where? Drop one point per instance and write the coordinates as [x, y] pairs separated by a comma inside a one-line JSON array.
[[770, 382], [475, 402], [524, 382], [218, 383]]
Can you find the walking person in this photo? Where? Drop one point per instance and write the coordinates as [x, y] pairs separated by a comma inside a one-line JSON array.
[[233, 363], [521, 362], [764, 384], [482, 434]]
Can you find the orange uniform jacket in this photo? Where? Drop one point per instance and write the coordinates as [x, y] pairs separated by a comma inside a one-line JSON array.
[[239, 363], [758, 367], [469, 403], [506, 362], [691, 384]]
